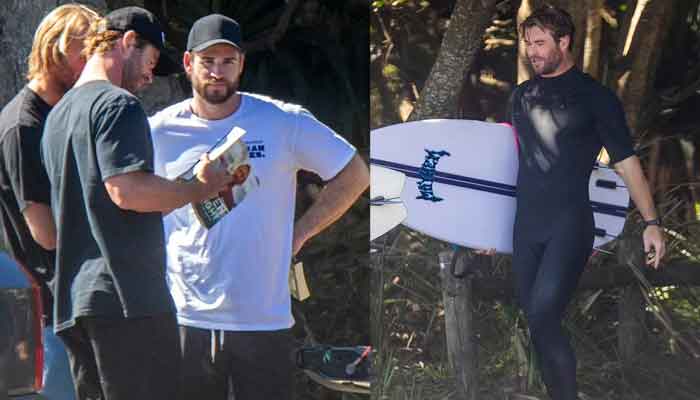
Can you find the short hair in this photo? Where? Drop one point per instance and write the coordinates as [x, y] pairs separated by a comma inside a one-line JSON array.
[[53, 36], [101, 40], [553, 19]]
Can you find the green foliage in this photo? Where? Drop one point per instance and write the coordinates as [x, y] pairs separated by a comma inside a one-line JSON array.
[[390, 71], [404, 39]]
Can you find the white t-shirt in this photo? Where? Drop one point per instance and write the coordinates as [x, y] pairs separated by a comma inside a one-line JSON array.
[[235, 275]]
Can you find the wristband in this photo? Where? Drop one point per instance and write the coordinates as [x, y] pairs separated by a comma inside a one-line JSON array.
[[655, 221]]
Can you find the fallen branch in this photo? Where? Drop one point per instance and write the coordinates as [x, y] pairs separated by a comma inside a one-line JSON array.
[[676, 273]]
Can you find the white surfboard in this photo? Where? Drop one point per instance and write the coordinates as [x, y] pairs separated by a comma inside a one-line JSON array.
[[609, 200], [386, 207], [460, 182]]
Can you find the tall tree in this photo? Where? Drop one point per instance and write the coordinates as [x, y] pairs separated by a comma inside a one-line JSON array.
[[462, 42], [591, 42], [645, 30]]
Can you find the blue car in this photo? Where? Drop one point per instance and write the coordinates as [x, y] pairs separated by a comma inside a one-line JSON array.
[[33, 362]]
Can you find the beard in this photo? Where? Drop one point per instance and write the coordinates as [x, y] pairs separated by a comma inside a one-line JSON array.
[[548, 64], [133, 74], [215, 95]]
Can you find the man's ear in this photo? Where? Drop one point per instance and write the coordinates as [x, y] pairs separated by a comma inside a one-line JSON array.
[[564, 42], [188, 61], [128, 41], [242, 65]]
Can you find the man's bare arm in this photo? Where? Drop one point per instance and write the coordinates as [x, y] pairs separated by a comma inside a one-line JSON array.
[[333, 201], [41, 225], [146, 192], [631, 172]]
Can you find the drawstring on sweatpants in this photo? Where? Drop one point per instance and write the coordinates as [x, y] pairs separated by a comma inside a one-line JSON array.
[[214, 343]]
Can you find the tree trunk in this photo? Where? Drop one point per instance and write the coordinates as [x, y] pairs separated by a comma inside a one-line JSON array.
[[630, 310], [636, 61], [463, 40], [579, 14], [376, 316], [459, 323], [631, 332], [591, 43], [637, 57]]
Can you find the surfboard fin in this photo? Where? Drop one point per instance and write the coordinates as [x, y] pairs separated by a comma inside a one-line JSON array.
[[344, 369]]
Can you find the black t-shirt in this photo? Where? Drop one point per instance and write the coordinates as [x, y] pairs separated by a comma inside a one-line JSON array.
[[562, 123], [23, 180], [110, 262]]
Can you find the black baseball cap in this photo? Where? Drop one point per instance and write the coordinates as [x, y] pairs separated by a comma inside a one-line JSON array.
[[148, 28], [214, 29]]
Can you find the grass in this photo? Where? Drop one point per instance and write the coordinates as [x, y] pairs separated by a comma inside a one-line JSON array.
[[415, 356]]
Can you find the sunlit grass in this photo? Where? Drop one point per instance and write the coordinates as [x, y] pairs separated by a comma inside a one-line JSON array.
[[414, 326]]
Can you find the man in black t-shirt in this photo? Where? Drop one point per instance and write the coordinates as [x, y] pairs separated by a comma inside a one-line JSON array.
[[24, 188], [113, 309], [563, 119], [25, 214]]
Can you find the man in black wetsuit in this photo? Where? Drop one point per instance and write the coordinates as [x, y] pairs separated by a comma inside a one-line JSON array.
[[563, 118]]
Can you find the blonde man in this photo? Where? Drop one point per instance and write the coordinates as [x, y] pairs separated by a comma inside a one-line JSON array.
[[113, 309], [55, 62]]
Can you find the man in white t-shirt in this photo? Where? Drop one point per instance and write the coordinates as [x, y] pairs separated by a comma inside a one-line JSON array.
[[230, 282]]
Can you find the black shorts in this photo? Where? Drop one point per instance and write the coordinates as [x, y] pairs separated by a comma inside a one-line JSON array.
[[124, 358], [255, 365]]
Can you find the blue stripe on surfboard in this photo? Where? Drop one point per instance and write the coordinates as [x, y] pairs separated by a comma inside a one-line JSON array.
[[482, 187], [458, 181], [476, 181], [488, 186]]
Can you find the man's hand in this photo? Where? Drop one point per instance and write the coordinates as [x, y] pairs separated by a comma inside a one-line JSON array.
[[484, 252], [146, 192], [298, 241], [653, 237], [631, 172], [212, 177]]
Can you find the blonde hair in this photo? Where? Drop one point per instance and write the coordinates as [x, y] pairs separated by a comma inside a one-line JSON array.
[[53, 36], [101, 40]]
